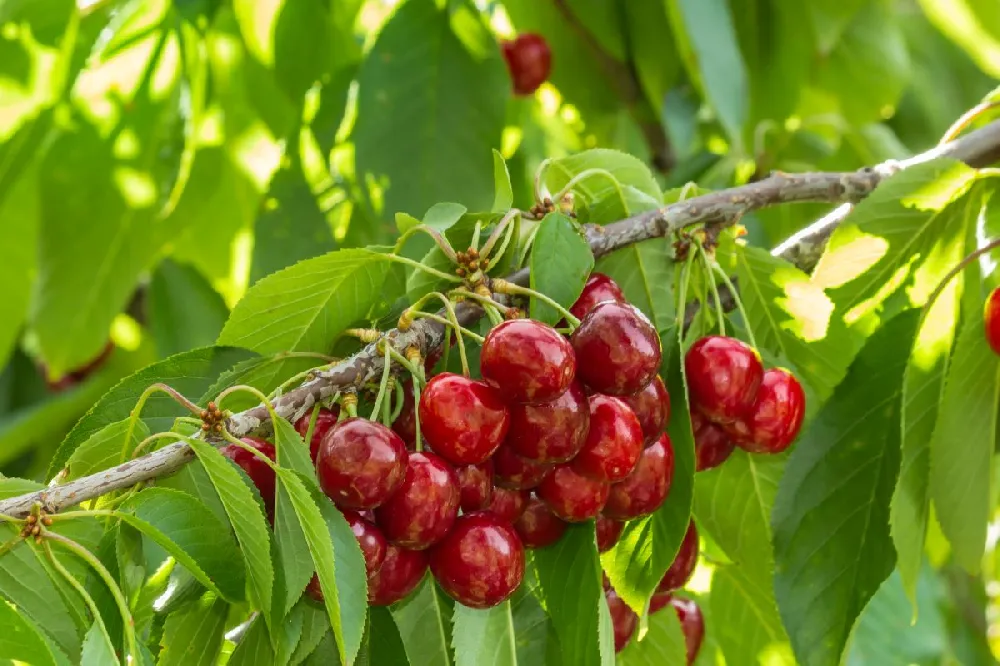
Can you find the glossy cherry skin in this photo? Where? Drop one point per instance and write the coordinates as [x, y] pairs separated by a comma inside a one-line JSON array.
[[712, 445], [516, 473], [991, 320], [572, 497], [598, 288], [424, 508], [401, 572], [462, 419], [551, 432], [614, 441], [326, 419], [527, 361], [480, 562], [776, 417], [537, 526], [360, 463], [405, 424], [608, 532], [623, 619], [529, 61], [692, 623], [684, 562], [508, 505], [651, 406], [618, 349], [370, 538], [645, 489], [723, 375], [260, 473], [475, 483]]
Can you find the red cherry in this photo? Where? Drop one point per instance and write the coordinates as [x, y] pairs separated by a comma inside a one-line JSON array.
[[326, 419], [644, 490], [480, 562], [405, 424], [776, 417], [659, 600], [424, 508], [551, 432], [991, 320], [514, 472], [370, 538], [537, 526], [599, 288], [260, 473], [527, 361], [712, 445], [652, 407], [529, 61], [79, 374], [475, 483], [360, 463], [572, 497], [608, 532], [692, 623], [462, 419], [623, 619], [508, 504], [618, 348], [723, 375], [613, 443], [684, 562], [401, 572]]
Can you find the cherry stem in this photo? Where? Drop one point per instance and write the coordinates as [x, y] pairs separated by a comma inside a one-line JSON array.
[[418, 442], [439, 239], [966, 119], [489, 305], [226, 435], [349, 404], [475, 235], [707, 262], [501, 227], [446, 352], [513, 230], [539, 173], [528, 242], [682, 293], [579, 178], [398, 402], [141, 402], [426, 269], [386, 367], [417, 372], [505, 287], [313, 417], [152, 438], [739, 301], [939, 289]]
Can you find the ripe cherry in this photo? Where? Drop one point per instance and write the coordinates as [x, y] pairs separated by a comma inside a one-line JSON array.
[[516, 473], [599, 288], [360, 463], [462, 419], [527, 361], [712, 445], [684, 562], [572, 497], [480, 562], [659, 600], [776, 417], [618, 348], [260, 473], [623, 619], [537, 526], [370, 539], [475, 484], [613, 443], [608, 532], [723, 375], [424, 508], [529, 61], [326, 419], [991, 320], [652, 407], [401, 572], [405, 424], [508, 505], [644, 490], [79, 374], [692, 623], [551, 432]]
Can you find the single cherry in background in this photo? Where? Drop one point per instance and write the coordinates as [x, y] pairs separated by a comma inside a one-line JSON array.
[[659, 600], [991, 320], [614, 441], [401, 572], [623, 619], [360, 463], [529, 61], [572, 497], [598, 288], [508, 505], [424, 507], [682, 567], [551, 432], [517, 473], [645, 489], [260, 472], [527, 361], [723, 375], [608, 532], [537, 526], [78, 374], [712, 445], [776, 416], [462, 419], [652, 407], [326, 419], [475, 483], [692, 623], [480, 562], [617, 348]]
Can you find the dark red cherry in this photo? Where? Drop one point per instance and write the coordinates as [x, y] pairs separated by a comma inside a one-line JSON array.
[[424, 508], [537, 526], [623, 619], [551, 432], [462, 419], [475, 484], [723, 375], [644, 490], [529, 61], [508, 504], [401, 572], [692, 623], [991, 320], [684, 562], [608, 532], [260, 473], [326, 419], [776, 417], [614, 441], [659, 600], [78, 374], [618, 349], [527, 361], [405, 424], [360, 463], [514, 472], [572, 497], [599, 288], [712, 445], [370, 538], [652, 407], [480, 562]]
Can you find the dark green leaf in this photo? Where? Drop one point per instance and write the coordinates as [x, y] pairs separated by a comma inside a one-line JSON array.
[[533, 631], [178, 293], [254, 649], [421, 619], [662, 644], [293, 550], [484, 636], [746, 621], [656, 62], [561, 261], [388, 647], [315, 625], [23, 641], [645, 272], [97, 648], [103, 449], [193, 636]]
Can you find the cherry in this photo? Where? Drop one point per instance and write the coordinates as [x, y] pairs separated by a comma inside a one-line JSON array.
[[572, 497], [620, 348], [480, 562], [598, 288], [508, 504], [79, 374], [527, 361], [538, 526], [684, 562], [712, 445], [692, 623], [723, 375], [405, 424], [551, 432], [401, 572], [652, 407], [991, 320], [613, 443], [424, 508], [360, 463], [776, 417], [516, 473], [608, 532], [529, 61], [475, 483], [260, 472], [370, 539], [644, 490], [462, 419], [326, 419], [623, 619], [659, 600]]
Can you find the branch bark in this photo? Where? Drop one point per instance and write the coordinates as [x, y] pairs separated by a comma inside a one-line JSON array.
[[977, 148]]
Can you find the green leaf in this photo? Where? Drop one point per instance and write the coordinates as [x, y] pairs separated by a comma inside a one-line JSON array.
[[315, 625], [255, 648], [388, 647], [204, 546], [537, 644], [746, 621], [179, 293], [103, 449], [503, 194], [293, 550], [484, 636], [624, 168], [193, 636], [22, 640], [443, 216], [97, 648], [428, 66], [421, 619], [647, 23], [645, 272], [561, 261], [972, 24], [460, 236], [831, 514], [662, 644]]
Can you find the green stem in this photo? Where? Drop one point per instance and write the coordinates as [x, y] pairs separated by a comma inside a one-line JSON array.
[[972, 256], [137, 410], [502, 226], [580, 177], [539, 172], [152, 438], [415, 371], [682, 293], [707, 263], [313, 417], [475, 235], [446, 351], [418, 442], [386, 366], [489, 305], [437, 236], [739, 302], [513, 231], [528, 242], [426, 269], [511, 288], [399, 399]]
